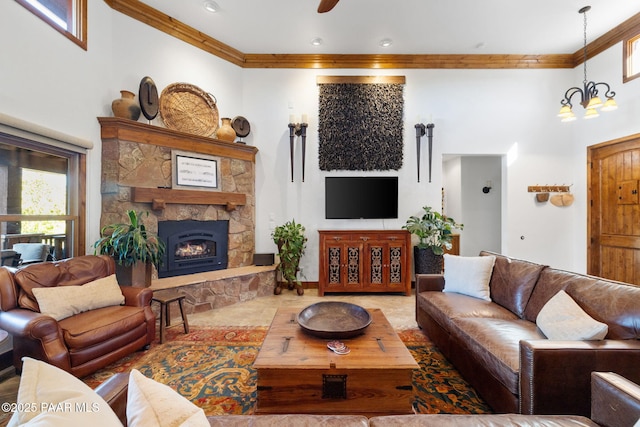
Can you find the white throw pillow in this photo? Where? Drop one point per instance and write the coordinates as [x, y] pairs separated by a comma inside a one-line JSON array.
[[468, 275], [561, 318], [151, 404], [61, 302], [49, 396]]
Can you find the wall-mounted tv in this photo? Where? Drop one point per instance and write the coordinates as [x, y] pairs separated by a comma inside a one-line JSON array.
[[371, 197]]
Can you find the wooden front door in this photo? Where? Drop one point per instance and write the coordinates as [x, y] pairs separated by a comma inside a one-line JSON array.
[[614, 210]]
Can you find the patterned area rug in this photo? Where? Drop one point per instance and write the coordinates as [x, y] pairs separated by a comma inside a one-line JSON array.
[[212, 367]]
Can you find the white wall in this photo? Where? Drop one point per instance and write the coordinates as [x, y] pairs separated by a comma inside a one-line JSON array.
[[48, 80]]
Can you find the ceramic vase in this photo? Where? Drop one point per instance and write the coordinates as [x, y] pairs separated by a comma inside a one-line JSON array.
[[126, 106], [226, 132]]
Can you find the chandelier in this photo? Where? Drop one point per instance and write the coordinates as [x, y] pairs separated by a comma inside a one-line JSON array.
[[589, 98]]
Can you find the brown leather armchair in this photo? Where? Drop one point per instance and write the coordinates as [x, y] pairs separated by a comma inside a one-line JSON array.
[[85, 342]]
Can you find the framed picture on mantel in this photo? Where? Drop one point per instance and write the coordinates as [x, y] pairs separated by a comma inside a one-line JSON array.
[[190, 170]]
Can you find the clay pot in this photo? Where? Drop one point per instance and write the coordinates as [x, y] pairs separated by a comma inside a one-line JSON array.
[[226, 132], [126, 107]]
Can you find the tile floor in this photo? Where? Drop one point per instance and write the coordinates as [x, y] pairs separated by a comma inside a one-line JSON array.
[[399, 310]]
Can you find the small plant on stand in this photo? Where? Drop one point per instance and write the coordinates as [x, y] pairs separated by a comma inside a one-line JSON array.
[[291, 243]]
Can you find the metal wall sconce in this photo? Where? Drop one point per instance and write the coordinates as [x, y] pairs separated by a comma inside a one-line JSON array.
[[487, 188], [421, 130], [297, 129]]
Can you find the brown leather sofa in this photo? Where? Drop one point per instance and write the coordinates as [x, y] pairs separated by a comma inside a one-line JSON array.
[[615, 403], [82, 343], [500, 351]]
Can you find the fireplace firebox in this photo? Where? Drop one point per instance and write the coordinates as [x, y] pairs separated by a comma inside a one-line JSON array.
[[193, 246]]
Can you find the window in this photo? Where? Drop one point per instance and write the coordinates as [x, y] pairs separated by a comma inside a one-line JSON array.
[[40, 196], [631, 58], [68, 17]]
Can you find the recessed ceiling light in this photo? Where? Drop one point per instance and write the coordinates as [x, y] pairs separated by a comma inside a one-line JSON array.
[[211, 6], [385, 42], [317, 41]]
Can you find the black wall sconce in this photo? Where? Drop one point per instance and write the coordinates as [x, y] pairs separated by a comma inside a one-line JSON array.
[[487, 188], [297, 129], [421, 130]]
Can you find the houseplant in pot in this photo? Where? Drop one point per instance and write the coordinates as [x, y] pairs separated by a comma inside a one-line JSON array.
[[435, 233], [291, 243], [133, 248]]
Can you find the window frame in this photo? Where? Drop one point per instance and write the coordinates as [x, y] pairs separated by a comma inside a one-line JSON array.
[[627, 53], [76, 186], [77, 21]]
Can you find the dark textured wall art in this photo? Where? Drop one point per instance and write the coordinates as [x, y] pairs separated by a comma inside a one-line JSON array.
[[361, 123]]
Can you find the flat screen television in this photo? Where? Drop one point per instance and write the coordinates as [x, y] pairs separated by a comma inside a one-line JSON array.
[[372, 197]]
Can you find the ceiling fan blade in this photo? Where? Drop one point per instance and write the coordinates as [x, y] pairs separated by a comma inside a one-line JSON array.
[[326, 5]]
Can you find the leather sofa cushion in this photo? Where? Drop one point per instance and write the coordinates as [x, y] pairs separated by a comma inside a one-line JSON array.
[[614, 303], [445, 307], [495, 343], [512, 282], [68, 272], [483, 420], [97, 326]]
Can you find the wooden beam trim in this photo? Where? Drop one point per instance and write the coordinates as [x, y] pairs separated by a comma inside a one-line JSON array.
[[173, 27], [361, 79], [612, 37], [409, 61]]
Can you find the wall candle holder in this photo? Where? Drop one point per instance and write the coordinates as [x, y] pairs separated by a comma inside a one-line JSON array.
[[297, 129], [421, 130]]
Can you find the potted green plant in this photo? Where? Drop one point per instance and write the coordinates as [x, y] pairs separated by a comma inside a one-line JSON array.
[[133, 248], [435, 233], [291, 243]]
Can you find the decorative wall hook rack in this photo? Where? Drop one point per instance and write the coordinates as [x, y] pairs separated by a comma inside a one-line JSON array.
[[298, 129], [549, 188], [421, 130]]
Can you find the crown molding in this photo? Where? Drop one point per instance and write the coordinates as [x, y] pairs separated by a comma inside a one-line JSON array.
[[173, 27]]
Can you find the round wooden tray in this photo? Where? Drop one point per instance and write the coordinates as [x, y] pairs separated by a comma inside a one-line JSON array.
[[334, 320], [187, 108]]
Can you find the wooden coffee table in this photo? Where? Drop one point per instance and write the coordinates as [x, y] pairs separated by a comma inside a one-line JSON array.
[[297, 373]]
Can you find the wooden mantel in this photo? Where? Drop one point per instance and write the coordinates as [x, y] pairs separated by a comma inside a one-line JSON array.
[[160, 197], [128, 130]]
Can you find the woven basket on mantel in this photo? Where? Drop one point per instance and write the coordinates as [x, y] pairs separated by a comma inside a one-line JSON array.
[[187, 108]]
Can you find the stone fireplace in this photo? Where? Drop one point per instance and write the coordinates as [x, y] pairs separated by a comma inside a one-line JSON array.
[[193, 246], [136, 174]]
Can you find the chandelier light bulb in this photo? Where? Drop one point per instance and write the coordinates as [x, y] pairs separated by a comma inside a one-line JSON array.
[[591, 113], [569, 117], [565, 111], [609, 105], [594, 102]]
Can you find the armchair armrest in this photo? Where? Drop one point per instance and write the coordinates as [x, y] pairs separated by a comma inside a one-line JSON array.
[[114, 392], [555, 376], [20, 322], [37, 335], [136, 297], [615, 400], [429, 282]]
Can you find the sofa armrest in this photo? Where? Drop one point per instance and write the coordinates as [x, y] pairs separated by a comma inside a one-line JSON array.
[[136, 297], [555, 376], [114, 392], [429, 282], [615, 401]]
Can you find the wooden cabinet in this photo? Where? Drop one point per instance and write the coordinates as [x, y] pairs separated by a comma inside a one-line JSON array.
[[365, 261]]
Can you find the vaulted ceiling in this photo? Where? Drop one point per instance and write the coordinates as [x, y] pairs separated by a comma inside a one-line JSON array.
[[423, 33]]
